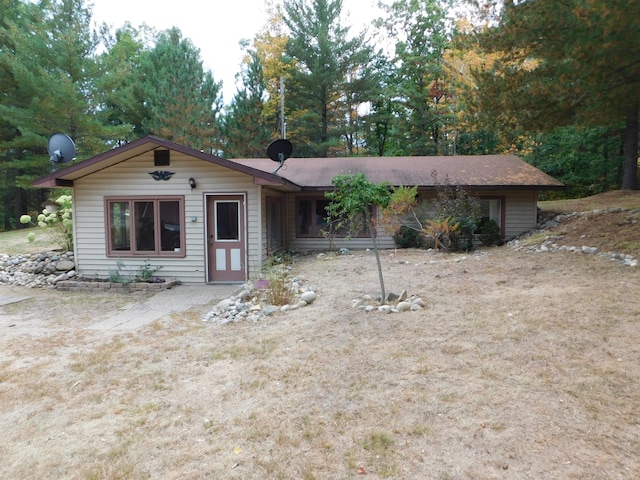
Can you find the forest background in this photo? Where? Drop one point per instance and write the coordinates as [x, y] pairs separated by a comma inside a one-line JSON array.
[[556, 83]]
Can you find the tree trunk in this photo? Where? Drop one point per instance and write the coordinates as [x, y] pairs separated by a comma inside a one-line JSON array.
[[372, 233], [630, 175]]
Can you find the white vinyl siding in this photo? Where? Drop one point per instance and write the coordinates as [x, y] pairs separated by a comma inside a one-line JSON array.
[[131, 178]]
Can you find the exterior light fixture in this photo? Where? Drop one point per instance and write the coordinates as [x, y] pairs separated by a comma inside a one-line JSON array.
[[192, 183]]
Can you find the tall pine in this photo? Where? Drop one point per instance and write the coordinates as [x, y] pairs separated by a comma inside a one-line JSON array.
[[420, 93], [328, 80], [47, 63], [245, 128], [181, 100]]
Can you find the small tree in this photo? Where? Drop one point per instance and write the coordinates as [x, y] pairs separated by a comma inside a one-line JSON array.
[[351, 206]]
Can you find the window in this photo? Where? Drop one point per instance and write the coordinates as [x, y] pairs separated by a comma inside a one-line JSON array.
[[491, 209], [274, 224], [311, 218], [145, 226]]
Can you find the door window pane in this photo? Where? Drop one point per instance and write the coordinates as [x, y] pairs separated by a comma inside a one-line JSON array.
[[227, 220], [304, 217], [274, 224]]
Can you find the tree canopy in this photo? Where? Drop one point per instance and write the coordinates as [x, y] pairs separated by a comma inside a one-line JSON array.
[[557, 83], [566, 63]]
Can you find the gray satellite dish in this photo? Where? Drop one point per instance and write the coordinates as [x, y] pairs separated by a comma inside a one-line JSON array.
[[61, 149], [279, 151]]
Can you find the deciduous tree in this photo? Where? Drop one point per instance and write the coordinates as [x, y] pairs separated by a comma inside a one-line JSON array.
[[563, 63], [352, 204]]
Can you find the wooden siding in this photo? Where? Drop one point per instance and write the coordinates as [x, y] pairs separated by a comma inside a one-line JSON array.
[[131, 178]]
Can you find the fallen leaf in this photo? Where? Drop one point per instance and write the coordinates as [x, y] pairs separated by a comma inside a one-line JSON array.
[[237, 450], [361, 471]]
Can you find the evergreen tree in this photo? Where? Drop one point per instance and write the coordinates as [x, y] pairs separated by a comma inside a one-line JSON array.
[[245, 130], [47, 86], [181, 101], [329, 79], [420, 93], [119, 83]]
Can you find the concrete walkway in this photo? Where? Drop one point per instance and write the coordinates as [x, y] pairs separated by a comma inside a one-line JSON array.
[[9, 299], [177, 299]]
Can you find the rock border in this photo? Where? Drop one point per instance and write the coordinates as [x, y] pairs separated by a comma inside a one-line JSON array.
[[247, 305], [551, 243]]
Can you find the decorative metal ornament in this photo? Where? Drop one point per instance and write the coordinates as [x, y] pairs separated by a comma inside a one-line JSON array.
[[161, 175]]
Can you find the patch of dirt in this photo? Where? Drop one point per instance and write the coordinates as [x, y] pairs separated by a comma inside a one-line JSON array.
[[520, 366], [599, 226]]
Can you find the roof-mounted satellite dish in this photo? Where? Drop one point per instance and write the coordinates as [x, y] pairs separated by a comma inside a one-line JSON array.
[[61, 149], [279, 151]]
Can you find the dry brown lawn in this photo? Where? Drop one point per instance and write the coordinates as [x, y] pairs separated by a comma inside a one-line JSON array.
[[521, 366]]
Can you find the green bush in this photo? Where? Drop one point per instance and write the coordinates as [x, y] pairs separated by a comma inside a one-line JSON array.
[[407, 237], [490, 233]]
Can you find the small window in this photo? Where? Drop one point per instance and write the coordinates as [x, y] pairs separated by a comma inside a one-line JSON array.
[[491, 209], [145, 226], [161, 158]]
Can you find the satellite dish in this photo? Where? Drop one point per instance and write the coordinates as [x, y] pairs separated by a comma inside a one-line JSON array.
[[279, 151], [61, 149]]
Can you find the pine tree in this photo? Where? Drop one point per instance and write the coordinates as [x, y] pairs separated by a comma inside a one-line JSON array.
[[181, 100], [47, 86], [245, 129], [328, 80], [420, 93]]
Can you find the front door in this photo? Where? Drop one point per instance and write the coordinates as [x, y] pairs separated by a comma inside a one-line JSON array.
[[226, 238]]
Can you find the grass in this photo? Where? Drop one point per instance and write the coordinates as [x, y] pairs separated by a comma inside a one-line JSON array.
[[16, 242]]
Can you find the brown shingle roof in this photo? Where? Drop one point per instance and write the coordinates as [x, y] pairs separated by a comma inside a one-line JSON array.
[[478, 171]]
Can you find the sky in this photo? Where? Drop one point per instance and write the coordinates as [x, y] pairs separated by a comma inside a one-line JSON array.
[[215, 27]]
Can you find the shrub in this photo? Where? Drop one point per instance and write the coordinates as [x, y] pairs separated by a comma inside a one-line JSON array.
[[490, 233], [408, 237], [55, 221]]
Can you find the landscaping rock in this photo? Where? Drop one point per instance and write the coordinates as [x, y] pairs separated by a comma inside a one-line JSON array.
[[36, 270], [246, 305], [552, 243], [308, 296]]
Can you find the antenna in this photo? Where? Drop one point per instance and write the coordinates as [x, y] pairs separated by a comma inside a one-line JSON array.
[[61, 149], [279, 151], [282, 122]]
